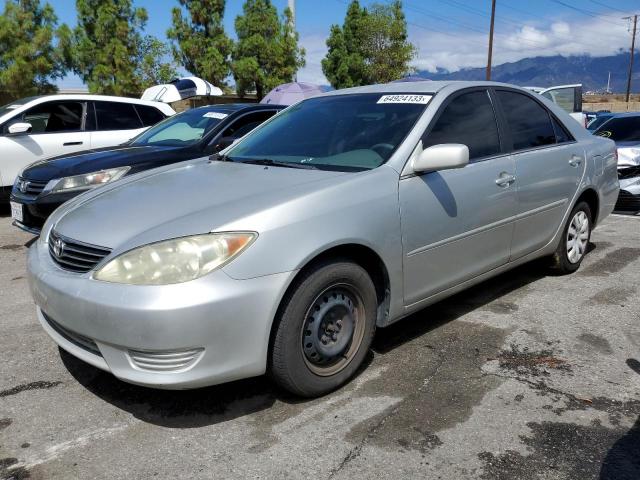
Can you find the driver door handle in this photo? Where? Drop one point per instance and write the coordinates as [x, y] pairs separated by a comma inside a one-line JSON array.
[[70, 144], [505, 179], [575, 160]]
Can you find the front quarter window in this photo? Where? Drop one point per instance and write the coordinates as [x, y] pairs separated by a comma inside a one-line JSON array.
[[338, 132]]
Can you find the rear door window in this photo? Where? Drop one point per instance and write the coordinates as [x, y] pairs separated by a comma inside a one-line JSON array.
[[621, 129], [529, 122], [117, 116], [468, 119], [55, 117], [149, 115]]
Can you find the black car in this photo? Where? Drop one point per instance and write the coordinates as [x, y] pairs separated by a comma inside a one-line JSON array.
[[43, 186]]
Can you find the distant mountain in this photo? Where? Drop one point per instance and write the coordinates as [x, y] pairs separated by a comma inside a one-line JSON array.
[[592, 72]]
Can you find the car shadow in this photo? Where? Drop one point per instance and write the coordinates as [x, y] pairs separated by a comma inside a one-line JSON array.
[[220, 403], [623, 458]]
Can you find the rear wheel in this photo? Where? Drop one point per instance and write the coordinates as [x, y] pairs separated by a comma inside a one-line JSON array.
[[324, 330], [575, 240]]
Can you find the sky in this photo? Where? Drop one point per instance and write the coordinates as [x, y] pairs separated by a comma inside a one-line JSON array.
[[448, 34]]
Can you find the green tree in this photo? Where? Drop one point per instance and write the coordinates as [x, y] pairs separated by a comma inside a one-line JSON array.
[[29, 60], [386, 48], [344, 65], [108, 51], [372, 46], [152, 69], [267, 52], [200, 43]]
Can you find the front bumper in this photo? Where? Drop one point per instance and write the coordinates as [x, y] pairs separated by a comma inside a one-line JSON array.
[[216, 327], [38, 208]]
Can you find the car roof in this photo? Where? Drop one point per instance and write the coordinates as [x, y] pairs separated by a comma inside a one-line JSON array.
[[427, 87], [623, 114]]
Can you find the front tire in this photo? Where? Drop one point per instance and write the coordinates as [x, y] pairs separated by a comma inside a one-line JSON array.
[[324, 328], [575, 240]]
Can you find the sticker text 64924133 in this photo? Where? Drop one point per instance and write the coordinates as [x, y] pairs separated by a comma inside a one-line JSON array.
[[422, 99]]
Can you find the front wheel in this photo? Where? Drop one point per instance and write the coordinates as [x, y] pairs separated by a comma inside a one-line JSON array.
[[324, 329], [575, 240]]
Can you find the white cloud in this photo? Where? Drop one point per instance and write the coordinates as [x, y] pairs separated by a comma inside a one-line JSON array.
[[598, 37]]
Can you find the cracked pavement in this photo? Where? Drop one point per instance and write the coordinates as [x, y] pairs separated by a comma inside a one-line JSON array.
[[526, 376]]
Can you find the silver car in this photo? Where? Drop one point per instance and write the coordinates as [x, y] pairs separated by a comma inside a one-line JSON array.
[[343, 213]]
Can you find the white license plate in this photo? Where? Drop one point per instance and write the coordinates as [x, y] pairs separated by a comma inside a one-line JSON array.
[[16, 211]]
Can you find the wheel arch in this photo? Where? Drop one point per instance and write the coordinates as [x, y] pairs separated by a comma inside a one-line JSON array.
[[360, 254], [590, 196]]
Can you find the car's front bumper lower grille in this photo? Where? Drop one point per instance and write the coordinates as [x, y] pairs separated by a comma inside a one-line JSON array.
[[73, 255], [79, 340], [628, 202]]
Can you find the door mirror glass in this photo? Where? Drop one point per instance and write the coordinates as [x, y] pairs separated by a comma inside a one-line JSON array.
[[19, 128], [442, 157], [224, 142]]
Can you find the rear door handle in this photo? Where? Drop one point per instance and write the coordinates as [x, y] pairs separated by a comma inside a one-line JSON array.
[[575, 160], [70, 144], [504, 180]]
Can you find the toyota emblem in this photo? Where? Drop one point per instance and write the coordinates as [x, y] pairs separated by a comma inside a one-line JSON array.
[[58, 247]]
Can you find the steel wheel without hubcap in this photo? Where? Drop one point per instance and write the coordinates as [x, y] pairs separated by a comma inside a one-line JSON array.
[[577, 237], [333, 330]]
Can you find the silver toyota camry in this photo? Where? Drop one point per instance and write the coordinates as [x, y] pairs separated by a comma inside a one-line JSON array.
[[343, 213]]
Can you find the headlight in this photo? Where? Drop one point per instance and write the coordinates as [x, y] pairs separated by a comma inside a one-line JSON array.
[[175, 261], [86, 180]]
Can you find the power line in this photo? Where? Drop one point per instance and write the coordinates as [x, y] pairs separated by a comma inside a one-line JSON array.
[[607, 6], [585, 12]]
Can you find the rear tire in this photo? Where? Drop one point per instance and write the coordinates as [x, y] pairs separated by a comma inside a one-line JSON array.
[[324, 328], [575, 240]]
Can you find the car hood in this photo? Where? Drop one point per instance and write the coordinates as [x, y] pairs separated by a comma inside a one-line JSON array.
[[192, 198], [86, 161]]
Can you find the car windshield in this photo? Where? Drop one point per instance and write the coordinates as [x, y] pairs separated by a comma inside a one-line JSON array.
[[341, 132], [597, 122], [621, 129], [183, 129], [13, 105]]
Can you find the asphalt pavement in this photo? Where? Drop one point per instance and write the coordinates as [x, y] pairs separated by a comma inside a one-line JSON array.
[[526, 376]]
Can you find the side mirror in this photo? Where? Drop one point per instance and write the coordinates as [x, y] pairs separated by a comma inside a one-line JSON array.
[[442, 157], [225, 142], [19, 127]]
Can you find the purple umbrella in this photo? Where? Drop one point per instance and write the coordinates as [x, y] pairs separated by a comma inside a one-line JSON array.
[[290, 93]]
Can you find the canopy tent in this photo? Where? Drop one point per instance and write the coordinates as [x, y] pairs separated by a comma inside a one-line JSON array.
[[290, 93], [180, 89]]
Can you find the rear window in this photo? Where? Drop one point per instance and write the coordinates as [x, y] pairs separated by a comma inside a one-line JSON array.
[[529, 122], [149, 115], [117, 116], [622, 129]]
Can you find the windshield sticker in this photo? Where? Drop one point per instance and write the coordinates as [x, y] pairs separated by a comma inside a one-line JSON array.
[[422, 99], [215, 115]]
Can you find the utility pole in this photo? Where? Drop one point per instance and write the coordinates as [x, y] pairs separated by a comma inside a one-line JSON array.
[[292, 6], [493, 16], [633, 47]]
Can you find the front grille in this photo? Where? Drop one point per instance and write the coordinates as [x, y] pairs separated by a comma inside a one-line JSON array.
[[166, 362], [73, 255], [628, 202], [629, 172], [30, 187], [79, 340]]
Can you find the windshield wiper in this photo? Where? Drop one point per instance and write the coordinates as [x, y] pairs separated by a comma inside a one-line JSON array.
[[277, 163]]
